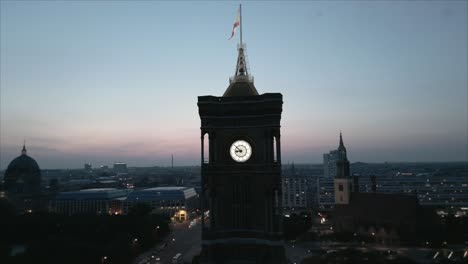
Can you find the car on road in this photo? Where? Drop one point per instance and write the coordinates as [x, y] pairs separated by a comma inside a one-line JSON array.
[[177, 258], [159, 248]]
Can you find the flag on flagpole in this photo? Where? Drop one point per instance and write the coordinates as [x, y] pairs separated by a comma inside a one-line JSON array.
[[236, 23]]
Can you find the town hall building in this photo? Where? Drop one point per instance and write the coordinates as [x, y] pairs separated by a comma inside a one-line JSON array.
[[241, 173]]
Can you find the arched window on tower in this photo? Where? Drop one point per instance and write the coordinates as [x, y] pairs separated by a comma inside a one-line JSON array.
[[275, 153], [206, 148]]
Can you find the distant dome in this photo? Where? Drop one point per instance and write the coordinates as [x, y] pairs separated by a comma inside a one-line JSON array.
[[22, 175]]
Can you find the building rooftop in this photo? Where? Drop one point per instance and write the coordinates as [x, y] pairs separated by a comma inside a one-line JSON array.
[[168, 188], [94, 194], [162, 193]]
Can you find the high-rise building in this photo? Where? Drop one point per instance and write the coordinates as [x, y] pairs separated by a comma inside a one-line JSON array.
[[241, 173], [325, 193], [296, 188], [87, 167], [120, 167], [329, 163]]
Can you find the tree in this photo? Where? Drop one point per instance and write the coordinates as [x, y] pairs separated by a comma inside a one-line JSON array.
[[140, 209], [7, 209]]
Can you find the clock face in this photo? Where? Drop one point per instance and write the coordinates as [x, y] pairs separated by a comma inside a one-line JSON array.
[[240, 151]]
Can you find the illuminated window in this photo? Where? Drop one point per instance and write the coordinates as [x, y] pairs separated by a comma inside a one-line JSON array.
[[275, 155], [206, 148]]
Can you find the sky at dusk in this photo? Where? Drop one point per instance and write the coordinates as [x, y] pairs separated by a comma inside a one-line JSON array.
[[100, 82]]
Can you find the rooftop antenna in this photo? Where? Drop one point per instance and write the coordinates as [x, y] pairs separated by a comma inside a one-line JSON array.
[[241, 66], [240, 15], [241, 74]]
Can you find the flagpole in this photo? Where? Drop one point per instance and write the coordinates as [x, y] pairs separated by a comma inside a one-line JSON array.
[[240, 14]]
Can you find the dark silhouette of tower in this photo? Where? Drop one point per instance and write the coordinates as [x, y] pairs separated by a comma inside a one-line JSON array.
[[343, 182], [241, 173]]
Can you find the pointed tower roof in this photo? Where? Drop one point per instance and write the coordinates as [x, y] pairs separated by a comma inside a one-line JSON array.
[[241, 84], [341, 147]]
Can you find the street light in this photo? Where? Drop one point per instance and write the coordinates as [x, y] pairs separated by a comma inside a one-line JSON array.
[[450, 255]]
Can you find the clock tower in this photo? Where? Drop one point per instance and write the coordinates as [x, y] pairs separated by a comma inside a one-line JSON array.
[[241, 173]]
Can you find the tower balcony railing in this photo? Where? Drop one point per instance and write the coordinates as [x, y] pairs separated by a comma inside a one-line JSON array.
[[241, 78]]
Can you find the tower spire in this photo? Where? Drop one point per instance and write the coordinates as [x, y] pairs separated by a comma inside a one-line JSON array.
[[242, 83], [342, 180], [23, 151], [241, 66], [341, 141], [342, 149]]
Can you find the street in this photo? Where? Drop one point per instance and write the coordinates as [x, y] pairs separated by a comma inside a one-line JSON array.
[[185, 238], [295, 252]]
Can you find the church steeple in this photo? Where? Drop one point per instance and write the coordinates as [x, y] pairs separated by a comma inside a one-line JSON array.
[[341, 147], [342, 181], [342, 163], [23, 151]]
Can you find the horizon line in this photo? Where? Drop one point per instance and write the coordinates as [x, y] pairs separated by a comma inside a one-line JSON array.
[[282, 164]]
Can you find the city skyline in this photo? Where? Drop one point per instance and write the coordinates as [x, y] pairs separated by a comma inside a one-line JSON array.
[[87, 82]]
